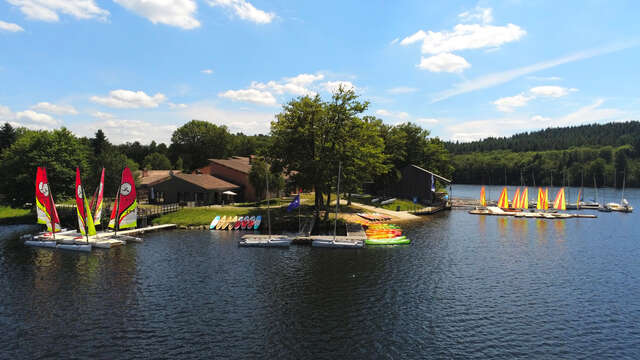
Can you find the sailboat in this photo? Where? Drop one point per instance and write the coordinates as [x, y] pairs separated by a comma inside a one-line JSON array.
[[541, 200], [85, 221], [623, 206], [503, 201], [124, 214], [524, 199], [96, 201], [46, 212], [483, 200], [560, 203], [515, 204]]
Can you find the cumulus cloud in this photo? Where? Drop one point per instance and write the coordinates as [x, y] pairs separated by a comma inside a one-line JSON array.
[[245, 121], [445, 62], [207, 71], [50, 10], [129, 99], [402, 90], [265, 93], [250, 95], [398, 115], [36, 120], [508, 104], [55, 108], [178, 13], [479, 35], [176, 106], [122, 130], [428, 120], [10, 27], [102, 115], [332, 86], [245, 10]]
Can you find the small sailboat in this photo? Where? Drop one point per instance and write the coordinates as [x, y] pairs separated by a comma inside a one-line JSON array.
[[545, 205], [124, 214], [540, 202], [516, 199], [85, 221], [560, 203], [524, 199], [623, 206], [503, 201], [483, 201], [96, 201], [46, 212]]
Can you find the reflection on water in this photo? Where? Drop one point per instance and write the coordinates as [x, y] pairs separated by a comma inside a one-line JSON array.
[[466, 287]]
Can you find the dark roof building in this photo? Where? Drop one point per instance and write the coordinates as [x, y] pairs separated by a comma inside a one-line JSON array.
[[236, 170], [199, 189]]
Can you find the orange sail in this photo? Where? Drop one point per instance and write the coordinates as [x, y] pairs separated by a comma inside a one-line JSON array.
[[524, 199], [540, 203], [560, 203], [579, 199], [545, 205], [516, 199], [483, 201], [503, 201]]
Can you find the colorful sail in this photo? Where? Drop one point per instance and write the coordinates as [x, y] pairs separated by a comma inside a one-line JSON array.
[[483, 201], [524, 199], [560, 203], [579, 199], [96, 200], [540, 203], [45, 207], [516, 199], [125, 208], [503, 201], [546, 199], [85, 220]]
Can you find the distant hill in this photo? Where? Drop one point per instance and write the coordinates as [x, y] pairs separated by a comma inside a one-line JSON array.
[[594, 135]]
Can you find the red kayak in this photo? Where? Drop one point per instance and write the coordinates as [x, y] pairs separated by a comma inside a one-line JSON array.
[[238, 224], [245, 221]]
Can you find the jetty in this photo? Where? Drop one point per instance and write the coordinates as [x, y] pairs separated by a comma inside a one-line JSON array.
[[496, 211]]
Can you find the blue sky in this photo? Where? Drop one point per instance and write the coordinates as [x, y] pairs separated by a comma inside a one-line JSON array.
[[138, 69]]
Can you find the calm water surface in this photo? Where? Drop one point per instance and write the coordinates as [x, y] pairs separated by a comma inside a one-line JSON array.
[[467, 287]]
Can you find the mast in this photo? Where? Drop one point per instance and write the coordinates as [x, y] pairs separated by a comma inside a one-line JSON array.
[[595, 186], [86, 226], [624, 178], [116, 204], [335, 222], [268, 208], [51, 220]]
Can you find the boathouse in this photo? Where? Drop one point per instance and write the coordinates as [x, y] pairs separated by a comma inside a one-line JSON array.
[[416, 184], [192, 189]]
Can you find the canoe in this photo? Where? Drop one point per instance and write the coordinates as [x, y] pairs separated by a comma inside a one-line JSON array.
[[221, 223], [258, 221], [391, 241], [214, 222]]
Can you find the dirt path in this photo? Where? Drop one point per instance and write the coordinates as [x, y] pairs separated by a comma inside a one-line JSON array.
[[403, 215]]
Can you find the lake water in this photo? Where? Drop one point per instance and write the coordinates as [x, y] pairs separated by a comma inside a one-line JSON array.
[[467, 287]]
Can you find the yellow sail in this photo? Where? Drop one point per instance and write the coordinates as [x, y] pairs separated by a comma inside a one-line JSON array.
[[516, 199], [483, 201], [503, 201], [540, 203], [560, 203], [546, 199], [524, 199], [578, 201]]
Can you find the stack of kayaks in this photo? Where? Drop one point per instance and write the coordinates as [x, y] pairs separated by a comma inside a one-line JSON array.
[[235, 223], [385, 234]]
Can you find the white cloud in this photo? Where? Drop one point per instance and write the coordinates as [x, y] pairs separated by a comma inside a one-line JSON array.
[[402, 90], [507, 104], [332, 86], [49, 10], [250, 95], [399, 115], [120, 131], [245, 10], [176, 106], [490, 80], [445, 62], [129, 99], [207, 71], [55, 109], [179, 13], [36, 120], [427, 120], [462, 37], [6, 114], [591, 114], [551, 91], [10, 27], [394, 41], [103, 115], [544, 78], [246, 121], [483, 15], [539, 119]]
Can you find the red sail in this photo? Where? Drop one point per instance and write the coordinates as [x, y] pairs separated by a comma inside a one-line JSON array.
[[46, 208], [127, 203], [82, 212]]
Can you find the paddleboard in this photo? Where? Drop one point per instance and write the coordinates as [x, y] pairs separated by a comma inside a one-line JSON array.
[[258, 221], [221, 223], [238, 223], [231, 223], [214, 222], [251, 222]]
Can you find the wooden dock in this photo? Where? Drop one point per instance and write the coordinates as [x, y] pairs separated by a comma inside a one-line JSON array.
[[496, 211]]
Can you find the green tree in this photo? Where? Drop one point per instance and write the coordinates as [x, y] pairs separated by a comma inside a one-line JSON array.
[[157, 161], [99, 143], [58, 150], [197, 141], [258, 178], [8, 136]]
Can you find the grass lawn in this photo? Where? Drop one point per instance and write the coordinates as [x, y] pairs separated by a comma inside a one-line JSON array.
[[10, 215], [405, 205]]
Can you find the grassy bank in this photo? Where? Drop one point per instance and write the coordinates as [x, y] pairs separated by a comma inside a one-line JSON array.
[[10, 215]]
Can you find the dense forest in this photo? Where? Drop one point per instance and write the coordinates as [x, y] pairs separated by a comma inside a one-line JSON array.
[[606, 154]]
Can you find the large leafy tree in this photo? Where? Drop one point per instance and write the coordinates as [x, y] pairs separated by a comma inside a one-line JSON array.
[[58, 150], [156, 161], [197, 141], [8, 136]]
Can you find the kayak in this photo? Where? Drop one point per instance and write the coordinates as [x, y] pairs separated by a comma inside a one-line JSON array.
[[238, 223], [214, 222], [221, 223], [389, 241], [231, 223], [258, 221], [252, 221]]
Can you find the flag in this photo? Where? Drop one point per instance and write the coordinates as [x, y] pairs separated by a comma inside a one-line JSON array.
[[294, 204], [433, 184]]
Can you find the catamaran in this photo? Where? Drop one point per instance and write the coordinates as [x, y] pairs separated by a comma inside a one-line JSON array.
[[623, 206], [46, 212], [124, 214]]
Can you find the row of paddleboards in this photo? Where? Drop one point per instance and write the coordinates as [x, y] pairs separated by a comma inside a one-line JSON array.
[[235, 223]]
